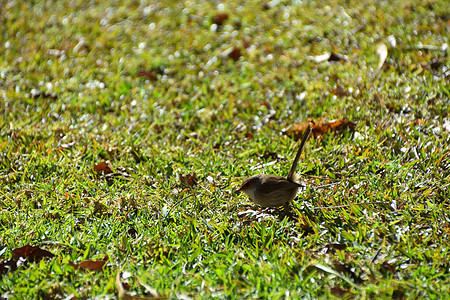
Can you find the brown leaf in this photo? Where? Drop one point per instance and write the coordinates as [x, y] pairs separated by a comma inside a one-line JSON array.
[[31, 253], [7, 265], [103, 167], [91, 265], [188, 180], [235, 54], [249, 135], [265, 6], [148, 74], [339, 292], [220, 18], [22, 255], [319, 127]]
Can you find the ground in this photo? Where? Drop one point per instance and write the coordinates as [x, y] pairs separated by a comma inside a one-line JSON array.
[[126, 125]]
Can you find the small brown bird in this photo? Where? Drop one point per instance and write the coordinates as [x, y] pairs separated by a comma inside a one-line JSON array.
[[271, 190]]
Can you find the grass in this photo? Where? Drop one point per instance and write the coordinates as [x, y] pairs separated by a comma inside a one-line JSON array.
[[373, 221]]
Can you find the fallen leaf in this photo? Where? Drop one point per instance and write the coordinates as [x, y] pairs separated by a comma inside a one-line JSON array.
[[7, 265], [148, 74], [31, 253], [188, 180], [249, 135], [220, 18], [23, 255], [319, 127], [235, 54], [103, 167], [91, 265], [382, 53]]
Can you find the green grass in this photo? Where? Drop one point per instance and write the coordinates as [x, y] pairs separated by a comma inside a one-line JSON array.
[[208, 114]]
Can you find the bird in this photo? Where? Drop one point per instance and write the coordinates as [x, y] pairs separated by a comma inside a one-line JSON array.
[[272, 190]]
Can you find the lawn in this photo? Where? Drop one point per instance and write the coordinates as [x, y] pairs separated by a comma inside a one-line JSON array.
[[125, 127]]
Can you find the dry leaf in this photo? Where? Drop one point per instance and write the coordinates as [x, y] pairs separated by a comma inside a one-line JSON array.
[[91, 265], [148, 74], [188, 180], [23, 255], [319, 127], [382, 55], [235, 54], [31, 253], [103, 167], [220, 18], [7, 265]]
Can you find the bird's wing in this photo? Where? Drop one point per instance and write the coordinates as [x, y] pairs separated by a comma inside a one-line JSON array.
[[279, 183]]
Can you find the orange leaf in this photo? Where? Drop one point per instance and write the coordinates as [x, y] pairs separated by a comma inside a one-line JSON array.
[[319, 127], [103, 167]]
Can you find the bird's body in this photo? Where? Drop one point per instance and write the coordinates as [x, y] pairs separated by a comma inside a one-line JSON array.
[[271, 190]]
